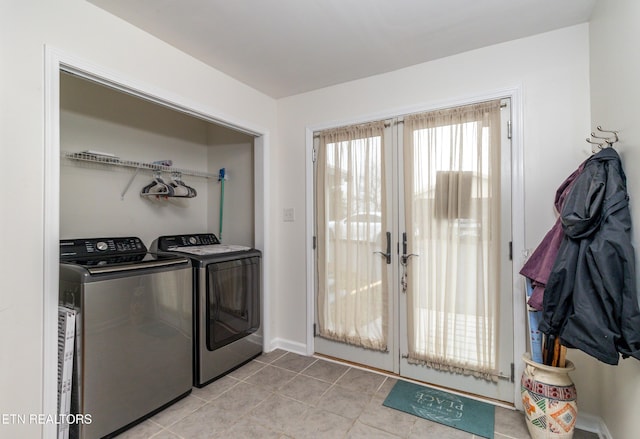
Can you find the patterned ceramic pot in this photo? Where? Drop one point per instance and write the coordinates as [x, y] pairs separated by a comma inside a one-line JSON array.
[[549, 400]]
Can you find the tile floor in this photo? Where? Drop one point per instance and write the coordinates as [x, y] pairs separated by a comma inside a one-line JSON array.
[[282, 395]]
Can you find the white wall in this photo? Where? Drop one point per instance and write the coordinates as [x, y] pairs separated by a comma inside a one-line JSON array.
[[88, 33], [615, 94], [234, 152], [93, 117], [552, 70], [98, 118]]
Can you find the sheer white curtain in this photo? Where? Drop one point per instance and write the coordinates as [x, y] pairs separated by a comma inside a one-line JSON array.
[[452, 202], [350, 206]]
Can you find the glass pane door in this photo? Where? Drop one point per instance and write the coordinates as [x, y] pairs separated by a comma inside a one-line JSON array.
[[354, 245], [455, 251], [413, 230]]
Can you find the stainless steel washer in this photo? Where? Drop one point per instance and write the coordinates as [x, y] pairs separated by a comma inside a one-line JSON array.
[[133, 331]]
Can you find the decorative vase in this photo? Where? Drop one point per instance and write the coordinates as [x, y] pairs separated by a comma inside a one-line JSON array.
[[549, 400]]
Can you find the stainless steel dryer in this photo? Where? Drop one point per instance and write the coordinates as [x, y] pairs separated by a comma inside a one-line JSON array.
[[133, 331], [226, 288]]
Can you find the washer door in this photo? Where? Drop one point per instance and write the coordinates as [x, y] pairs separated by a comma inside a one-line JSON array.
[[233, 300]]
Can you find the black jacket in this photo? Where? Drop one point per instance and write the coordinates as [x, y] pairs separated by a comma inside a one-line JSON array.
[[590, 299]]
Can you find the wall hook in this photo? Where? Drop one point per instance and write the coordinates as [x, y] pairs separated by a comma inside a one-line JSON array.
[[615, 133]]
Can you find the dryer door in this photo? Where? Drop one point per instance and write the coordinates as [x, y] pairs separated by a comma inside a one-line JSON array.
[[233, 300]]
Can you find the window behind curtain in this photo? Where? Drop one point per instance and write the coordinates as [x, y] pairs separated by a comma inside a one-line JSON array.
[[351, 226], [452, 217]]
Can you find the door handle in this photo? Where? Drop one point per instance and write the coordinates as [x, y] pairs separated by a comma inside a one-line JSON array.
[[387, 255], [405, 257], [403, 261], [404, 243]]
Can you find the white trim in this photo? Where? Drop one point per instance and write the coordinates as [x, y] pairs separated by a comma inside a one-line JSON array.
[[51, 234], [289, 346], [593, 424], [117, 81], [309, 237], [517, 206], [261, 225], [518, 234], [55, 61], [418, 108], [603, 431]]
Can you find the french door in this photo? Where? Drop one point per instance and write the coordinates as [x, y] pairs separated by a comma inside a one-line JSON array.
[[355, 313], [413, 235]]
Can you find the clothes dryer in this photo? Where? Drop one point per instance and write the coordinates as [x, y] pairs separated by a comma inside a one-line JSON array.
[[227, 297]]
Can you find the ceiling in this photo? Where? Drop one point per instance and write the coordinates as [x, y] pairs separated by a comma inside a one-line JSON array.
[[286, 47]]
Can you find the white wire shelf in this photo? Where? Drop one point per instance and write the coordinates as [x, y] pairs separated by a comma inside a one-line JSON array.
[[116, 161]]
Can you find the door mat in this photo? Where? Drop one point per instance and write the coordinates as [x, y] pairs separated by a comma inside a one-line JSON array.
[[445, 408]]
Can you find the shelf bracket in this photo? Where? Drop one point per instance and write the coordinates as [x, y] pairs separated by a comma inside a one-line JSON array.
[[133, 177]]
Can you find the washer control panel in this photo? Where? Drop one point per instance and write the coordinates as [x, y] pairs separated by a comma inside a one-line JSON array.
[[88, 247]]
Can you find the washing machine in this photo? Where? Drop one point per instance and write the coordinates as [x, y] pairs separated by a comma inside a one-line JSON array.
[[133, 331]]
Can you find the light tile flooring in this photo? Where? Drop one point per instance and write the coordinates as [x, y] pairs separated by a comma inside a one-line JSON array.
[[283, 395]]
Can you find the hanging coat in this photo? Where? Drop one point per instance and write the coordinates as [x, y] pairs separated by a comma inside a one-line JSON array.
[[590, 299], [538, 266]]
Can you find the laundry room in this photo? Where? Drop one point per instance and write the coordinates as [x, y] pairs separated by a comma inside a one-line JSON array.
[[184, 119], [143, 265], [111, 142]]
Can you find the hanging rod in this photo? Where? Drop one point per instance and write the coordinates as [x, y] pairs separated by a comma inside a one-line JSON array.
[[115, 161]]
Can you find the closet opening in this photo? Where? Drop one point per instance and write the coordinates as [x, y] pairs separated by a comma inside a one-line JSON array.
[[120, 121], [132, 167]]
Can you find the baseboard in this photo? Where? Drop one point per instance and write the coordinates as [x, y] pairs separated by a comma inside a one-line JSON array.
[[594, 424], [287, 345]]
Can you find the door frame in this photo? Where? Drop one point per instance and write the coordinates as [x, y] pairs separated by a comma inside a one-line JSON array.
[[517, 209], [55, 61]]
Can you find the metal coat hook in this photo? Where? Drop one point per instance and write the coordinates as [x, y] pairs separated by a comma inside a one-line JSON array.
[[593, 149], [608, 139], [615, 134]]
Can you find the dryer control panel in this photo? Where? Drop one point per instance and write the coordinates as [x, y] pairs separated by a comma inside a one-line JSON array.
[[168, 243]]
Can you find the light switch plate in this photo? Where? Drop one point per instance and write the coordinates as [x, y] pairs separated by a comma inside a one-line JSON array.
[[288, 214]]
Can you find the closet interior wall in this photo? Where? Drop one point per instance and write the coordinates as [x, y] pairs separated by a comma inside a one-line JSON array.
[[235, 152], [96, 118]]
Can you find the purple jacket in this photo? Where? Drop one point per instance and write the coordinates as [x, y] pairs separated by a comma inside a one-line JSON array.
[[538, 266]]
